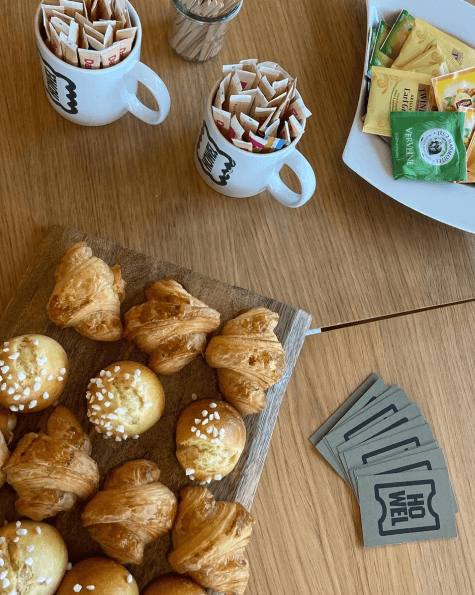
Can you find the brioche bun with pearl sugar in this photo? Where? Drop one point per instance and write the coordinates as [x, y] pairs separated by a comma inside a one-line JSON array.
[[33, 558], [98, 576], [124, 400], [210, 438], [33, 372], [174, 585]]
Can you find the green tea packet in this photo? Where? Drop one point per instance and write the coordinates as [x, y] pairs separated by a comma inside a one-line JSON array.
[[398, 35], [429, 146], [372, 41], [377, 57]]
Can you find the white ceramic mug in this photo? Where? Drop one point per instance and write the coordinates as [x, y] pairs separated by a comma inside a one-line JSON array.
[[98, 97], [239, 173]]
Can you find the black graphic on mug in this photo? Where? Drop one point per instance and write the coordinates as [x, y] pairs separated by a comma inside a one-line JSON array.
[[406, 507], [215, 163], [60, 89]]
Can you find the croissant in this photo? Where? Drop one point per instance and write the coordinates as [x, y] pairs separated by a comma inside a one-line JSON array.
[[4, 456], [87, 295], [7, 423], [50, 470], [249, 358], [132, 509], [209, 540], [171, 326]]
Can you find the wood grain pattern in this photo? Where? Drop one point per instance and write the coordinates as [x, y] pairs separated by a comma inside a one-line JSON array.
[[351, 253], [26, 313], [318, 546]]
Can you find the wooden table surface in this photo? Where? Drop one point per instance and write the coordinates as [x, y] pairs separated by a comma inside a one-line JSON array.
[[349, 256]]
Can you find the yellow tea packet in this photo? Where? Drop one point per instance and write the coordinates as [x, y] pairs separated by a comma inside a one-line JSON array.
[[470, 163], [429, 61], [394, 91], [455, 90], [469, 124], [423, 35]]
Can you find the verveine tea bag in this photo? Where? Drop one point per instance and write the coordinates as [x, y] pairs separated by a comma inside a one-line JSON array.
[[428, 146]]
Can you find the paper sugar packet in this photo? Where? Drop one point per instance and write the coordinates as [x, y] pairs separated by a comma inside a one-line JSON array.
[[406, 507]]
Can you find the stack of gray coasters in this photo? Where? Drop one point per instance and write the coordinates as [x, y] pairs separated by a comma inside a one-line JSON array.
[[382, 446]]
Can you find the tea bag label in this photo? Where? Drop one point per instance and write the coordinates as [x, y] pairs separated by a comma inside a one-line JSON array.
[[437, 146], [214, 162], [60, 88], [406, 507]]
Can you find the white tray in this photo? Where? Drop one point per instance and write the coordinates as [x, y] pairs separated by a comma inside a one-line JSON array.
[[370, 157]]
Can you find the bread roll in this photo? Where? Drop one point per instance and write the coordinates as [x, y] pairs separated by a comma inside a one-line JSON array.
[[34, 558], [98, 576], [33, 372], [131, 510], [124, 400], [4, 456], [210, 438], [174, 585], [7, 423]]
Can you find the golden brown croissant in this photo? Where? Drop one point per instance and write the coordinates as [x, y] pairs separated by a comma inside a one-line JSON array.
[[7, 423], [49, 471], [131, 510], [4, 456], [209, 540], [249, 358], [87, 295], [171, 326]]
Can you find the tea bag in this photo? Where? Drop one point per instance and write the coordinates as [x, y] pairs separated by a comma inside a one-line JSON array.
[[377, 57], [428, 146], [397, 35], [455, 90], [394, 90]]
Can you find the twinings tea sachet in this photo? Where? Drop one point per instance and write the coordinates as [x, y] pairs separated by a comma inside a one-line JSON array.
[[429, 146], [394, 90]]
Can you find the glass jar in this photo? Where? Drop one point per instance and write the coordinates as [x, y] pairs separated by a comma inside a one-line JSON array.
[[199, 37]]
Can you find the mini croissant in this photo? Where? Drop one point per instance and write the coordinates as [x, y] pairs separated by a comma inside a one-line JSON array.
[[249, 358], [132, 509], [49, 471], [209, 541], [4, 456], [87, 295], [171, 326], [7, 423]]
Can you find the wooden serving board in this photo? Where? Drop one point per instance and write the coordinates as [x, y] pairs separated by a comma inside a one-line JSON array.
[[26, 313]]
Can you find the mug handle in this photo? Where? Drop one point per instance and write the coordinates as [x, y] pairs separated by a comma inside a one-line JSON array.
[[303, 170], [146, 76]]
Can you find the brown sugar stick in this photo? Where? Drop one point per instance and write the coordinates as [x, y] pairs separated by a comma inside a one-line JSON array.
[[92, 13], [248, 123], [62, 16], [247, 146], [266, 88], [51, 3], [73, 34], [262, 114], [272, 129], [109, 37], [247, 79], [69, 49], [235, 130], [82, 20], [295, 128], [221, 92], [94, 44], [125, 47], [89, 59], [280, 86], [101, 26], [72, 7], [59, 25], [277, 100], [285, 104], [110, 56], [271, 74], [239, 104], [55, 43], [249, 65], [285, 134], [128, 33], [223, 121], [93, 33]]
